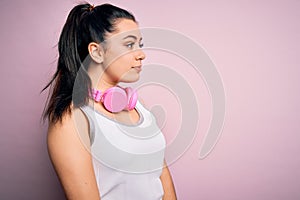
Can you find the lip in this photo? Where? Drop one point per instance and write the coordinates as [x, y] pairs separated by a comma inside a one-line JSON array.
[[138, 68]]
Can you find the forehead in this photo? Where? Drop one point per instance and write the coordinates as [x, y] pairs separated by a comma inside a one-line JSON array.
[[124, 27]]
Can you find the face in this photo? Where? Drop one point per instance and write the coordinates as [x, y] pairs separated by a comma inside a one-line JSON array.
[[123, 55]]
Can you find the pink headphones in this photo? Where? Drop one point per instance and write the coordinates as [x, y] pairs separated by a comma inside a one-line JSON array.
[[116, 99]]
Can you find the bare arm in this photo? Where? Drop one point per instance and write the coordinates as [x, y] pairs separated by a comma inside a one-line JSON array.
[[71, 158], [166, 179]]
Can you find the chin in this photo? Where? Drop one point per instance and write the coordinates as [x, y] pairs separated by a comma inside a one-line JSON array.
[[130, 79]]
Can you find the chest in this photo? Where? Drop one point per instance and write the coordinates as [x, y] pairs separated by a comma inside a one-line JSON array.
[[128, 117]]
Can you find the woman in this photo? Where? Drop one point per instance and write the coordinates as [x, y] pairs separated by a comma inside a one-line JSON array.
[[89, 113]]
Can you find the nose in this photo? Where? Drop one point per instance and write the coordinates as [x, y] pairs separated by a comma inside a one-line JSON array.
[[140, 55]]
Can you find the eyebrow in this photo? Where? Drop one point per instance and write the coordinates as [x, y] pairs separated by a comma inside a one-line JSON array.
[[132, 36]]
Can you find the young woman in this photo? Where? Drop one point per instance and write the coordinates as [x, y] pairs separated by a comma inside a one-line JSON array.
[[90, 115]]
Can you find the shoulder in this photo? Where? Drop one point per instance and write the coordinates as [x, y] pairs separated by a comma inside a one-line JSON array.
[[73, 125], [69, 151]]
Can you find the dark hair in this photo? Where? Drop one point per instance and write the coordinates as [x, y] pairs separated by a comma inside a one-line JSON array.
[[85, 24]]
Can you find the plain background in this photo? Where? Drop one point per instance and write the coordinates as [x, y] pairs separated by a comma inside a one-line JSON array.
[[255, 46]]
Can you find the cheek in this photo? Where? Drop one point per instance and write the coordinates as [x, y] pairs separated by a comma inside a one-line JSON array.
[[120, 66], [125, 61]]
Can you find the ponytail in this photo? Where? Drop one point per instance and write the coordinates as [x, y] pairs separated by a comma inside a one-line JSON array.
[[71, 83]]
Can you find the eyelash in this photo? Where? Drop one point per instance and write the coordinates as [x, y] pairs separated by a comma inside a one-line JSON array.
[[130, 45]]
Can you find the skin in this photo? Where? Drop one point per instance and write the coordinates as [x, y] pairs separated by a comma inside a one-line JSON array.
[[68, 140]]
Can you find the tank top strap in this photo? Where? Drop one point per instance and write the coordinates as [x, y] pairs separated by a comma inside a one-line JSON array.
[[142, 108], [91, 120]]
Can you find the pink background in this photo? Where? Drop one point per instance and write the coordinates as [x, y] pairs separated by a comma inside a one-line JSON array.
[[255, 47]]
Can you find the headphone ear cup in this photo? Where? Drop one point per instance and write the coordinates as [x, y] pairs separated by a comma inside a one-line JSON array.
[[115, 99], [131, 98]]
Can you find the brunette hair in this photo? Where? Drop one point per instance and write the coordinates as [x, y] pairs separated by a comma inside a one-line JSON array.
[[70, 83]]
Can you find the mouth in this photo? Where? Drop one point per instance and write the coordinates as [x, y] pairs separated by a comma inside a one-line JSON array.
[[138, 68]]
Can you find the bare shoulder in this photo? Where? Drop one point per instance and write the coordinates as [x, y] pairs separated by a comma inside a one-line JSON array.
[[69, 151], [73, 125]]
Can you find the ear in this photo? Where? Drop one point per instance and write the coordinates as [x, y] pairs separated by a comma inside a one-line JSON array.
[[96, 52]]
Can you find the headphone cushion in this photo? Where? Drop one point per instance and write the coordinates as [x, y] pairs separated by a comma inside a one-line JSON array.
[[115, 99]]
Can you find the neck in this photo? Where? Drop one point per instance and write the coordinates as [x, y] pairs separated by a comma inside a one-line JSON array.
[[103, 84], [99, 78]]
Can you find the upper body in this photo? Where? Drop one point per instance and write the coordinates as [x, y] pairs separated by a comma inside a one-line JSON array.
[[127, 157], [100, 56]]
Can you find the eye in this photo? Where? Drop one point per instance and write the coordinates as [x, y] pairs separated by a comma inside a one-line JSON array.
[[130, 45]]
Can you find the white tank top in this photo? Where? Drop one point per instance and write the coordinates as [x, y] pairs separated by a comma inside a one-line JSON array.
[[127, 159]]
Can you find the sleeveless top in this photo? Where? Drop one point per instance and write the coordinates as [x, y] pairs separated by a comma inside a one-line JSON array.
[[127, 159]]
